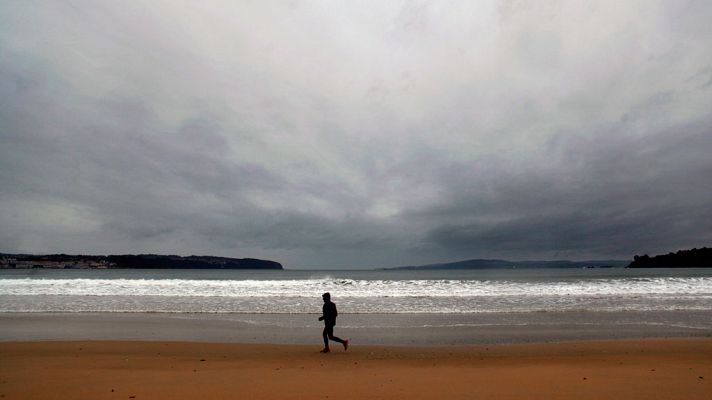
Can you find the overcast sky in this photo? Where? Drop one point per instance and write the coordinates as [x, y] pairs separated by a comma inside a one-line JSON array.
[[356, 134]]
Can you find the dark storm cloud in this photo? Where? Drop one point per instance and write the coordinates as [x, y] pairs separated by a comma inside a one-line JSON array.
[[604, 198], [334, 135]]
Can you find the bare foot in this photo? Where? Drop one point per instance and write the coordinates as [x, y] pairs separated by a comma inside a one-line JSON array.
[[346, 344], [325, 350]]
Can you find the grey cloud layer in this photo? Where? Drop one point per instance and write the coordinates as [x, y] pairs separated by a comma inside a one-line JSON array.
[[337, 135]]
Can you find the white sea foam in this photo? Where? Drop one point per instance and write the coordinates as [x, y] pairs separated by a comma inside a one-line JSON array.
[[355, 288], [354, 295]]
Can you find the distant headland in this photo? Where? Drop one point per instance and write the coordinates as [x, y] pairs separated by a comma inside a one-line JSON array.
[[693, 258], [141, 261]]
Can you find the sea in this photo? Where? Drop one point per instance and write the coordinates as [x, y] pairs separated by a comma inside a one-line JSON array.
[[356, 292]]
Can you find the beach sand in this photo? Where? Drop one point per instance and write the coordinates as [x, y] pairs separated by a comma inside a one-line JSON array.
[[623, 369]]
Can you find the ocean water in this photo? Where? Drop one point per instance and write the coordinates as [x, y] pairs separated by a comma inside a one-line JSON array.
[[356, 292]]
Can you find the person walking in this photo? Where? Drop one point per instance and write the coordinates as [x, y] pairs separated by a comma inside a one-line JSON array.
[[328, 315]]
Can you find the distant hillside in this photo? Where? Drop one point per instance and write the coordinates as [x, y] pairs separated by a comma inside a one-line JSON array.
[[146, 261], [694, 258], [490, 264]]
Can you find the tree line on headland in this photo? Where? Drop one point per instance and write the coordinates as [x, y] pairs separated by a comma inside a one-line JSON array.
[[145, 261], [693, 258]]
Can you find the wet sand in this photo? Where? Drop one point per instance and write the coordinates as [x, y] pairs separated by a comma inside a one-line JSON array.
[[372, 329], [629, 369]]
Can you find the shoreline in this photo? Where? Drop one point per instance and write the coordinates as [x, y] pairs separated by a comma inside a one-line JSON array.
[[631, 369]]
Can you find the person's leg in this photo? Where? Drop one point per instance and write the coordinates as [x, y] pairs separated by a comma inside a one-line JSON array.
[[326, 333], [338, 339]]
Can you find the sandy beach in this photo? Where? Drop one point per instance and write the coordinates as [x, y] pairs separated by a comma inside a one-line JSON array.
[[630, 354], [630, 369]]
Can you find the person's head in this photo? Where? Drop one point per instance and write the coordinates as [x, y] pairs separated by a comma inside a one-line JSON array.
[[326, 296]]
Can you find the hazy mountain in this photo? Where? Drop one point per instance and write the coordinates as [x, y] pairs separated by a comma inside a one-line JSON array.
[[489, 264]]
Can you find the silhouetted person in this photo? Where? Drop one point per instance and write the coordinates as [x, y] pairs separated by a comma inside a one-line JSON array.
[[329, 314]]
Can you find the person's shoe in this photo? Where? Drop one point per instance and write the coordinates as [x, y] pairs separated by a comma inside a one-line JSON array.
[[325, 350], [346, 344]]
